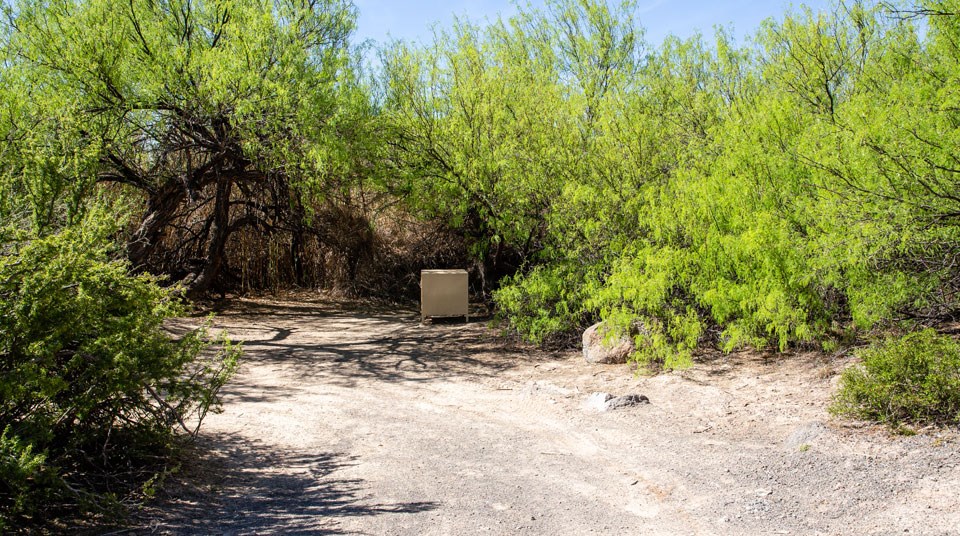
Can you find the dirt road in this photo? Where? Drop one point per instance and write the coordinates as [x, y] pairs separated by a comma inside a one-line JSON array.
[[352, 422]]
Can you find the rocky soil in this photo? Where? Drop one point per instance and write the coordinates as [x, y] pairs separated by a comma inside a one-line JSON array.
[[363, 421]]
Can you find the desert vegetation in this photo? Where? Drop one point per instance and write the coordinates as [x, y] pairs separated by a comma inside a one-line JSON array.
[[796, 190]]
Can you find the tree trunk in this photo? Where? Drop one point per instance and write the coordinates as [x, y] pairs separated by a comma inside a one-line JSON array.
[[297, 244], [162, 207], [219, 232]]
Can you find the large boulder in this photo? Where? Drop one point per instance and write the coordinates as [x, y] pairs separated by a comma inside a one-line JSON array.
[[598, 350]]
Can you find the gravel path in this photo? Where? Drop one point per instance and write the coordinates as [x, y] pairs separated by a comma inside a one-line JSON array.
[[365, 422]]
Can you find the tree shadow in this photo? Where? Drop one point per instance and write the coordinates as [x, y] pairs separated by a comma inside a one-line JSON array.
[[230, 485], [343, 348], [233, 485]]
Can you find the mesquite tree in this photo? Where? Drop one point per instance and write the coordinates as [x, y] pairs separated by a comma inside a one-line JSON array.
[[793, 191], [486, 125], [218, 115]]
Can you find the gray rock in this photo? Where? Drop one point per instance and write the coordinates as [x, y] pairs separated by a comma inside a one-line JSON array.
[[626, 401], [607, 402], [597, 350]]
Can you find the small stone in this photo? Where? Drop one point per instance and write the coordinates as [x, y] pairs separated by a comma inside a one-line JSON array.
[[626, 401], [608, 402]]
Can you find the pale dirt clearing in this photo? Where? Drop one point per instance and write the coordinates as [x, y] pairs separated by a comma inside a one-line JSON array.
[[352, 421]]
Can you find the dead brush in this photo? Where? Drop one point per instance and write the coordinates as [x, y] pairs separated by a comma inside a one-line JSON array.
[[403, 246]]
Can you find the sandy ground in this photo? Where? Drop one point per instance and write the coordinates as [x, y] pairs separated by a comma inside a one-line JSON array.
[[350, 421]]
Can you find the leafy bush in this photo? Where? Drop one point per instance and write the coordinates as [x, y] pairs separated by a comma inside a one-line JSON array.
[[22, 473], [698, 187], [910, 379], [542, 305], [91, 385]]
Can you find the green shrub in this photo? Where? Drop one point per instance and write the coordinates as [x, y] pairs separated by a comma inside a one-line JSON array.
[[92, 388], [23, 477], [668, 345], [738, 191], [910, 379], [543, 305]]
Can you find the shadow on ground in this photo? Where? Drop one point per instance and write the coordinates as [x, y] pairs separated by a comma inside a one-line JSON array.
[[232, 486], [235, 485], [342, 347]]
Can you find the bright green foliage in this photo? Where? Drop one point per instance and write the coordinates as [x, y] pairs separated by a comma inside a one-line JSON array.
[[91, 385], [785, 193], [911, 379], [486, 132], [539, 302]]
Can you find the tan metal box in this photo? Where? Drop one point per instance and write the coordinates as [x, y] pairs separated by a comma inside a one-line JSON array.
[[443, 293]]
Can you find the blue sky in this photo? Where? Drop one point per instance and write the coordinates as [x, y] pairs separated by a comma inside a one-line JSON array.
[[412, 19]]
